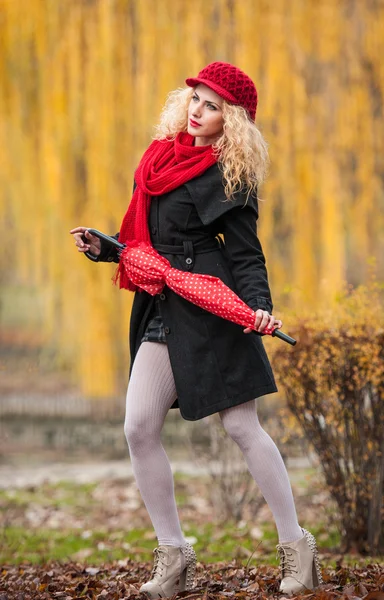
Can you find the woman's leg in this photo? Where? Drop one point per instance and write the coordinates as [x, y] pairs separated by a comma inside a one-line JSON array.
[[151, 393], [266, 466]]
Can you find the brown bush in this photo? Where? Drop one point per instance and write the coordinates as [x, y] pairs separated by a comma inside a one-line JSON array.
[[333, 380]]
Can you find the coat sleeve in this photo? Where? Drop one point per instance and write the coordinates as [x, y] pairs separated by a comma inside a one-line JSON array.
[[245, 255]]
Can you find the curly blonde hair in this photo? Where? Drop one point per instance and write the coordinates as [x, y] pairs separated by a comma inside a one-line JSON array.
[[241, 150]]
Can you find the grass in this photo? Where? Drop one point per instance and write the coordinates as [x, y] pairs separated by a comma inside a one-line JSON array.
[[39, 546], [21, 545], [73, 525], [65, 493], [212, 545]]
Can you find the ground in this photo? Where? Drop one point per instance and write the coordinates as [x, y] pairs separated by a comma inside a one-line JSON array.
[[219, 581], [69, 540]]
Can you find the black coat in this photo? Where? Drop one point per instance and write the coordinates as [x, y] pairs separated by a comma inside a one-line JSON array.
[[215, 365]]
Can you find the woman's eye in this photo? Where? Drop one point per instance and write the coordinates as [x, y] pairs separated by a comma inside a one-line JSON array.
[[211, 106], [194, 98]]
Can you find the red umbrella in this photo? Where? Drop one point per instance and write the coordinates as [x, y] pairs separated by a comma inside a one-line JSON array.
[[150, 271]]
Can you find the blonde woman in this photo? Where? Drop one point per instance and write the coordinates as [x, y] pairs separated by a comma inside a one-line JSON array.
[[198, 179]]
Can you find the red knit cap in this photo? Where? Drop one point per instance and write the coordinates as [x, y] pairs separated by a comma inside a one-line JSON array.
[[230, 83]]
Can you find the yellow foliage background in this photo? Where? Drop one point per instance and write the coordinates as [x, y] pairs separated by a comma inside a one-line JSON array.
[[82, 84]]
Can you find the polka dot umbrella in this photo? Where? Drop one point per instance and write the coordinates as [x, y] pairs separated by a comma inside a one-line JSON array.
[[150, 271]]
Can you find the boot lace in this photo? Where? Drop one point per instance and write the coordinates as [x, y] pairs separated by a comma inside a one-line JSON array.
[[160, 561], [287, 562]]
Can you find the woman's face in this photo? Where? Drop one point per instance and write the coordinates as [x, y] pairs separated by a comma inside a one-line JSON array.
[[205, 115]]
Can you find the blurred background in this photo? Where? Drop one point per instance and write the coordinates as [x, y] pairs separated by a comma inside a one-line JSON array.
[[82, 83]]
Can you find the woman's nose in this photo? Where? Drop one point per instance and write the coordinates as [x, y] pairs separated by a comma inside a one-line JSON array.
[[196, 111]]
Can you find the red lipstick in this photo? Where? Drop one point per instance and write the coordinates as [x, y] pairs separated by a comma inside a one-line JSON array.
[[194, 124]]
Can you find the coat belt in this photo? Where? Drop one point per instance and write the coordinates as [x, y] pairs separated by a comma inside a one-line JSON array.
[[189, 249]]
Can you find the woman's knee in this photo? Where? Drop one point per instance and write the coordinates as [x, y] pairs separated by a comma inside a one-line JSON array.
[[140, 432], [131, 431], [234, 429], [241, 423]]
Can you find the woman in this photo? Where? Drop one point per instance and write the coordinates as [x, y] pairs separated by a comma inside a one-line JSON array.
[[199, 179]]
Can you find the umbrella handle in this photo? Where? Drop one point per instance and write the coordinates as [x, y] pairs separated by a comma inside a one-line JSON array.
[[106, 238], [283, 336]]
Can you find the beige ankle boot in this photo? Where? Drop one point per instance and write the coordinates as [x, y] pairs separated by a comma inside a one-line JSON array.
[[299, 565], [173, 571]]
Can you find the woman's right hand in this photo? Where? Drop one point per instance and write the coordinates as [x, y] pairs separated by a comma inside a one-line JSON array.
[[93, 246]]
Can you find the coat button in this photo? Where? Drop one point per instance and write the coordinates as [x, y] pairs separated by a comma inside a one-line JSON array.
[[188, 261], [167, 330], [162, 296], [154, 230]]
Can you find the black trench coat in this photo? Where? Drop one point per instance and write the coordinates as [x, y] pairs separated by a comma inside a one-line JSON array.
[[215, 365]]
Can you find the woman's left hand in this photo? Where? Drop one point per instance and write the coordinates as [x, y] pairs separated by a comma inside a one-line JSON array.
[[262, 320]]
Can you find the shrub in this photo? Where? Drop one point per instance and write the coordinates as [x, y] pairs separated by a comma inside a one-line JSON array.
[[333, 380]]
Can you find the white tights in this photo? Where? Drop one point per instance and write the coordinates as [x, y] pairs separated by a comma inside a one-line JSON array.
[[151, 393]]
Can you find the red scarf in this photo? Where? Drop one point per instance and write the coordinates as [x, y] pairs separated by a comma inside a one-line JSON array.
[[165, 165]]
